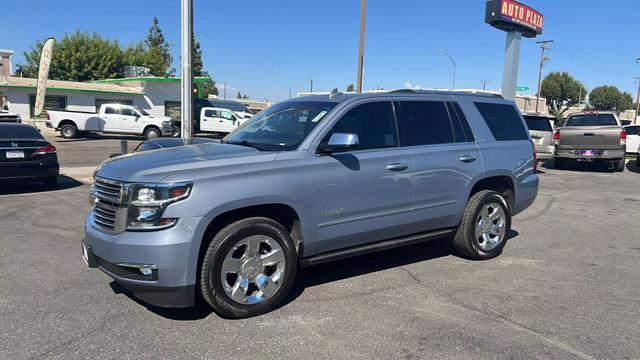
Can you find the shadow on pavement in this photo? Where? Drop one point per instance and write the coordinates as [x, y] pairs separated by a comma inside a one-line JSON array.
[[325, 273], [35, 186], [581, 166]]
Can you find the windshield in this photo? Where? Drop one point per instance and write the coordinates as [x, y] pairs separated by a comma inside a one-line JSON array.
[[537, 123], [280, 127], [142, 112], [591, 120]]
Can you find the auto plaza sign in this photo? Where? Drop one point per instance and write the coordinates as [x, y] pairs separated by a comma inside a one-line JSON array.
[[509, 15]]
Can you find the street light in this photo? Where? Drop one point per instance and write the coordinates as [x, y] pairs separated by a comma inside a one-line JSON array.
[[453, 82], [635, 121]]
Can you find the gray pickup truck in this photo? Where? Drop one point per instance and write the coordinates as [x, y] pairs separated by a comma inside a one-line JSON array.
[[306, 181], [591, 136]]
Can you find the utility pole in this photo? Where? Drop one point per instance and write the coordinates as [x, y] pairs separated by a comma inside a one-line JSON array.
[[635, 121], [289, 93], [187, 71], [484, 84], [311, 86], [225, 90], [363, 20], [543, 46]]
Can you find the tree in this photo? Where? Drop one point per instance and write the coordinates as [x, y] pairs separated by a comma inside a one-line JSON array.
[[78, 57], [351, 88], [158, 56], [239, 96], [562, 92], [609, 98]]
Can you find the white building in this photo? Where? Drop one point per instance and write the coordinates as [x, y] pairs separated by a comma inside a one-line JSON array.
[[156, 95]]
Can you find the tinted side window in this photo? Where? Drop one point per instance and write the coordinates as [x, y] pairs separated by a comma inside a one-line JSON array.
[[424, 123], [374, 124], [503, 121], [127, 111], [458, 119], [111, 110], [632, 130], [537, 123], [209, 113]]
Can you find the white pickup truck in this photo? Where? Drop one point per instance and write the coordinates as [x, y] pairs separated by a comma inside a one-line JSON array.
[[112, 118], [219, 120]]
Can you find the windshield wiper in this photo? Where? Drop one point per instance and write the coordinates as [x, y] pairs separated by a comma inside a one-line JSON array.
[[247, 144]]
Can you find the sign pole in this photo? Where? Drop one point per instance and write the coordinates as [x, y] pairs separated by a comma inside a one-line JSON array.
[[511, 62], [187, 74], [363, 20]]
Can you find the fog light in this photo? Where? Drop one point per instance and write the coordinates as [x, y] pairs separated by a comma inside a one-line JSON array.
[[146, 271]]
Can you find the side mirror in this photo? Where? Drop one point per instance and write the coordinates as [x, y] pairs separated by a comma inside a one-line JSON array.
[[341, 142]]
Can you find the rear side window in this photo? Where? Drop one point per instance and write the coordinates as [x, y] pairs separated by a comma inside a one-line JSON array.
[[372, 122], [460, 124], [537, 123], [127, 111], [503, 121], [424, 123], [591, 120], [111, 110], [210, 113], [19, 132]]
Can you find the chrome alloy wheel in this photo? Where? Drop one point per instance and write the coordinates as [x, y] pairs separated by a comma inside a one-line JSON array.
[[491, 226], [253, 270]]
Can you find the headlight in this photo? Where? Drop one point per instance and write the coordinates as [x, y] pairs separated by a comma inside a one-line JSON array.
[[148, 201]]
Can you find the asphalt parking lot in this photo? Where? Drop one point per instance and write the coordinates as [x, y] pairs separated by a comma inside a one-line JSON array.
[[567, 286]]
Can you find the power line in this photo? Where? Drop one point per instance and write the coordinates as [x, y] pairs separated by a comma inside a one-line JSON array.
[[572, 57]]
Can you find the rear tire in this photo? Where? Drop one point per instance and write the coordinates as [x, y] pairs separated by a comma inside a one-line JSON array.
[[234, 276], [487, 213], [558, 163], [152, 133], [69, 131], [619, 166]]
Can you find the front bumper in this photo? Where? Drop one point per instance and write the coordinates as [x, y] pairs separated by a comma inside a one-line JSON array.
[[608, 155], [167, 130], [172, 252]]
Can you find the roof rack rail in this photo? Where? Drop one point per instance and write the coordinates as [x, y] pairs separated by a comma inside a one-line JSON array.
[[462, 92]]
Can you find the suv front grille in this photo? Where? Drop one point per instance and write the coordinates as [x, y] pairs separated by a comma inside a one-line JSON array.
[[108, 214]]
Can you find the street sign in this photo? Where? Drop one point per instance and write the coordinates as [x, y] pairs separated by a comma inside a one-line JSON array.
[[522, 88]]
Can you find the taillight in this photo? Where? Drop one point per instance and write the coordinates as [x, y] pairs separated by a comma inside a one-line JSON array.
[[623, 137], [556, 138], [49, 149]]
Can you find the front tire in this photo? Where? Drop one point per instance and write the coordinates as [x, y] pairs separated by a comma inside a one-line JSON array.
[[248, 268], [69, 131], [152, 133], [485, 225], [619, 166]]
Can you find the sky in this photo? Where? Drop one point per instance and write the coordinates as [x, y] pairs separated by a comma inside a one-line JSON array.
[[265, 48]]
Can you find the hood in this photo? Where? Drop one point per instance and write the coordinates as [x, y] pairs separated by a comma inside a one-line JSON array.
[[155, 165]]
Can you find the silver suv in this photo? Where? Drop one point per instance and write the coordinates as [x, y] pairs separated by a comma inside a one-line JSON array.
[[306, 181]]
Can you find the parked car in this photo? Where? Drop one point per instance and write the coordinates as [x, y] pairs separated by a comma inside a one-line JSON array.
[[591, 136], [219, 120], [25, 154], [541, 133], [111, 118], [239, 109], [8, 117], [306, 181], [633, 139]]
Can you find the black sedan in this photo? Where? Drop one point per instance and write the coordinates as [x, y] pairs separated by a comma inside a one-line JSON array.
[[25, 154]]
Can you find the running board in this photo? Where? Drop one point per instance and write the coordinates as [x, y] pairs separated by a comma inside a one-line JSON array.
[[374, 247]]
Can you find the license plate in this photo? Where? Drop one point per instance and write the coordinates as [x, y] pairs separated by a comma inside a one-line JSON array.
[[15, 154], [588, 153], [85, 254]]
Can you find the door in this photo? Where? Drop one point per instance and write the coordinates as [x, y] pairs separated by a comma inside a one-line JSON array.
[[228, 122], [633, 139], [111, 118], [130, 122], [208, 119], [445, 159], [364, 195]]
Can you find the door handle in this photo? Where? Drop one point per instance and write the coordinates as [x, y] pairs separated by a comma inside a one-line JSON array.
[[467, 158], [397, 167]]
